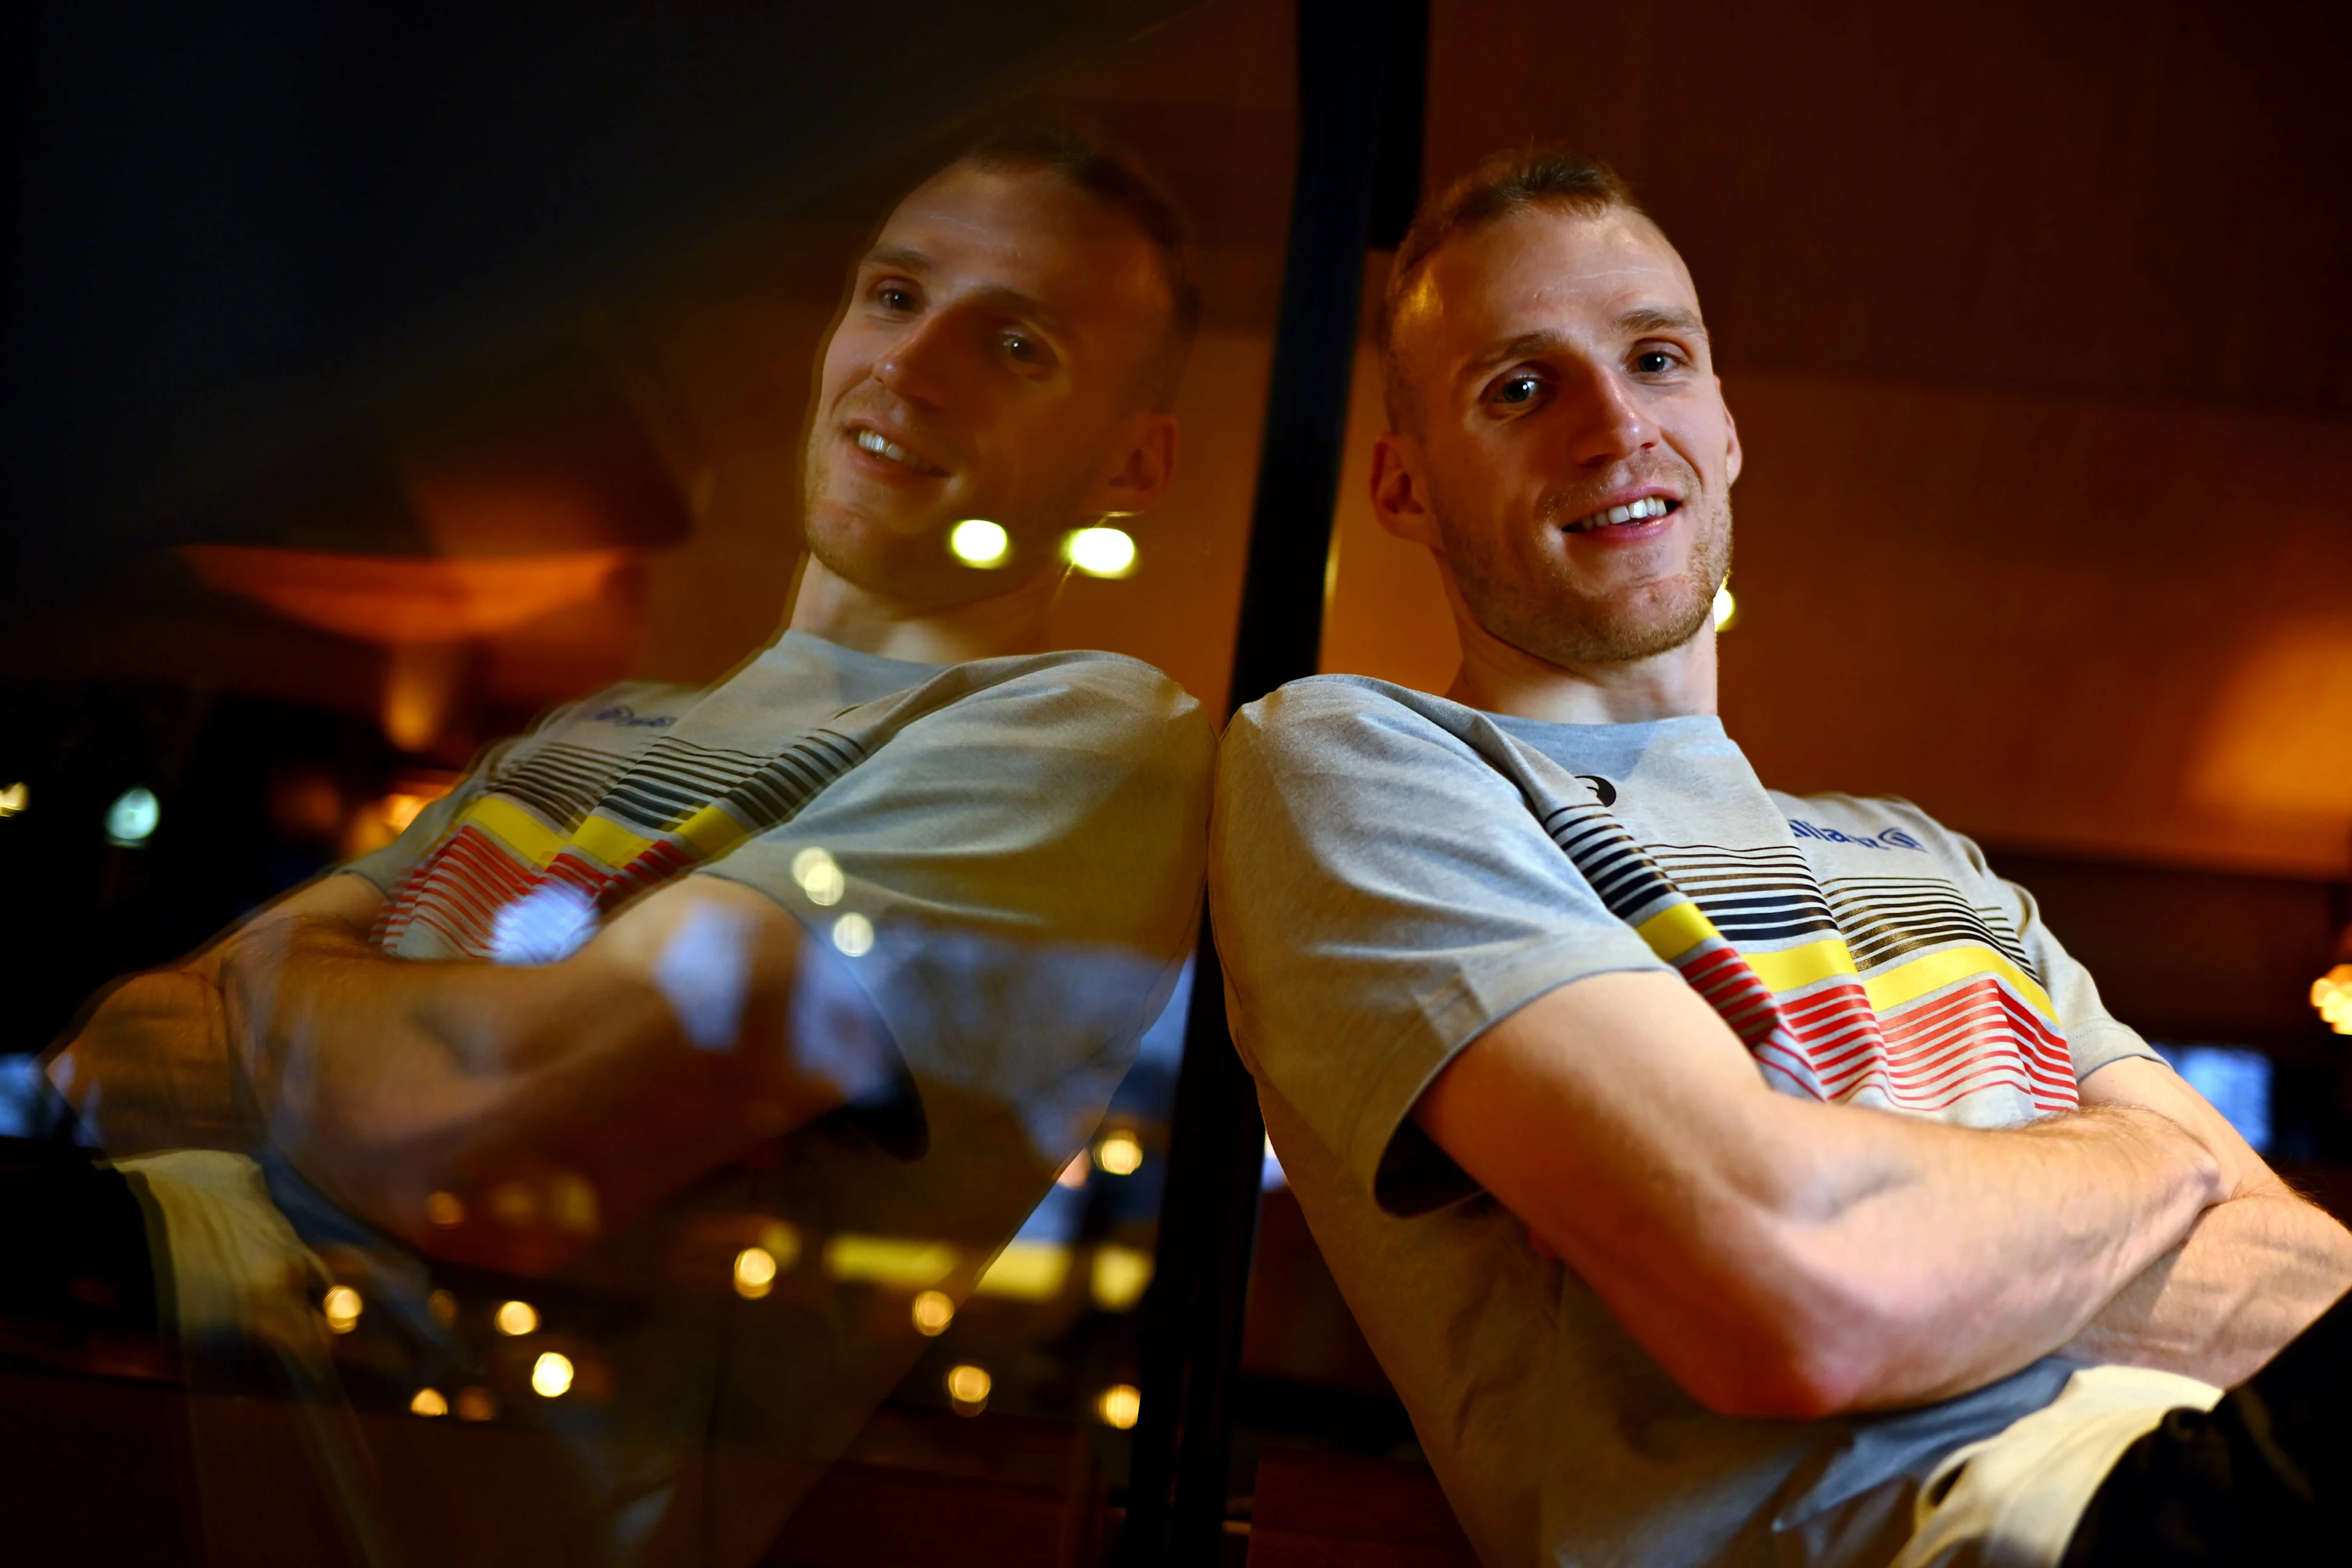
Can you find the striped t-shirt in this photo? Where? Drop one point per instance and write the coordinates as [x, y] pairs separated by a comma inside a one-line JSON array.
[[1392, 873]]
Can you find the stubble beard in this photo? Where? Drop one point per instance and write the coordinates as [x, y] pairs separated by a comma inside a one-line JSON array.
[[1545, 614]]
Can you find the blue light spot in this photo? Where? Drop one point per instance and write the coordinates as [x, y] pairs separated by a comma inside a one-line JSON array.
[[131, 819], [2234, 1080]]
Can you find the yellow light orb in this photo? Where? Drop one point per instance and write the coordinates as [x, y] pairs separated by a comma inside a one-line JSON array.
[[444, 1210], [1120, 1153], [429, 1402], [934, 1311], [1727, 608], [976, 542], [819, 875], [515, 1319], [755, 1272], [968, 1386], [1120, 1405], [1102, 552], [342, 1306], [550, 1375]]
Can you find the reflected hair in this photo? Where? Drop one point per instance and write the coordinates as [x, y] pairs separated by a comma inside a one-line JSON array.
[[1503, 183], [1089, 158]]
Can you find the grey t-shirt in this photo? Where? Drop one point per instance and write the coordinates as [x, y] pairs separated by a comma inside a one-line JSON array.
[[998, 863], [1392, 873]]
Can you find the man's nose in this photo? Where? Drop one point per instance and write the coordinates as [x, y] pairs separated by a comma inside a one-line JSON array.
[[1609, 422], [919, 364]]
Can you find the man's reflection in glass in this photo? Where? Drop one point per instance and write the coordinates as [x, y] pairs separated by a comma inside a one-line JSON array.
[[519, 1160]]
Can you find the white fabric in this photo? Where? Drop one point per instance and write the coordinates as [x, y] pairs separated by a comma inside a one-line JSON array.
[[2013, 1499]]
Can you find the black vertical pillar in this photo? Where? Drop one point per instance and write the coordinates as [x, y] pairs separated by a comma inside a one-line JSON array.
[[1360, 96]]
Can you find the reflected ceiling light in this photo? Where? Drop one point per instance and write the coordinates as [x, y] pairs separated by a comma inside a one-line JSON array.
[[1120, 1153], [1102, 552], [968, 1386], [1120, 1405], [398, 599], [1026, 1272], [888, 1261], [853, 933], [550, 1375], [1727, 608], [429, 1402], [934, 1311], [444, 1210], [130, 820], [516, 1319], [342, 1306], [13, 799], [819, 875], [976, 542], [755, 1272]]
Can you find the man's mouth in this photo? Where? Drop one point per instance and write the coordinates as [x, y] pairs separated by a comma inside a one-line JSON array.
[[1640, 510], [874, 442]]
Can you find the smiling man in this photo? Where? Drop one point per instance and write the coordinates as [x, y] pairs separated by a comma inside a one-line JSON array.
[[1723, 1176], [859, 939]]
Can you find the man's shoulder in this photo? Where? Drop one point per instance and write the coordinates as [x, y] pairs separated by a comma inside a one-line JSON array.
[[1108, 697], [1344, 712]]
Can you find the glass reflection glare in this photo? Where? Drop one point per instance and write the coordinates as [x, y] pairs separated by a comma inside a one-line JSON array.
[[967, 1387], [977, 541], [1102, 552], [1120, 1405], [516, 1319], [933, 1311], [755, 1273], [429, 1402], [550, 1375], [341, 1306]]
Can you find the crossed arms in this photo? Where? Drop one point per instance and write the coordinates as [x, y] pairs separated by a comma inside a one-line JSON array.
[[1787, 1259], [492, 1114]]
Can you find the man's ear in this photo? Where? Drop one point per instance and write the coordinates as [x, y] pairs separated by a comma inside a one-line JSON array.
[[1399, 495], [1731, 441], [1141, 469]]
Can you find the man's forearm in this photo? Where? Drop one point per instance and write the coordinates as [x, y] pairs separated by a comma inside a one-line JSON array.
[[2254, 1272]]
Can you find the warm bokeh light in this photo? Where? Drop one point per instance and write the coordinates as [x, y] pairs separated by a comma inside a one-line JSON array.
[[934, 1311], [1074, 1174], [550, 1375], [2331, 993], [977, 541], [130, 820], [1727, 608], [819, 875], [755, 1273], [1121, 1274], [1026, 1272], [1102, 552], [514, 1202], [405, 599], [444, 1209], [1120, 1153], [443, 1306], [853, 933], [888, 1261], [476, 1405], [1120, 1405], [398, 810], [14, 799], [429, 1402], [342, 1306], [968, 1386], [516, 1319]]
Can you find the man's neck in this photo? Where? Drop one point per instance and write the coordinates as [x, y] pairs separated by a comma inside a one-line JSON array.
[[1499, 677], [830, 606]]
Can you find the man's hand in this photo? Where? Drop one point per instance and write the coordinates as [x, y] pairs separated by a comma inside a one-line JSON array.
[[149, 1066], [1779, 1257], [507, 1115], [2254, 1272]]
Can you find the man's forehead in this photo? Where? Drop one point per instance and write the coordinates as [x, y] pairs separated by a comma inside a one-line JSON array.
[[1546, 269], [1022, 229]]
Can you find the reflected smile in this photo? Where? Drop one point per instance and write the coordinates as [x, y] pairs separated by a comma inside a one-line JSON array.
[[873, 441]]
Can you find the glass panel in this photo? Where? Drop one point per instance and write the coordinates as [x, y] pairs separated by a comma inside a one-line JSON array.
[[625, 838]]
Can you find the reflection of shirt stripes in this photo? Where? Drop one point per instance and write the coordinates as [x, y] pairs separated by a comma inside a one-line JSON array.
[[610, 824], [1890, 990]]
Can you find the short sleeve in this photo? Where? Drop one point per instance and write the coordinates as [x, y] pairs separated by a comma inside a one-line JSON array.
[[2094, 1037], [1019, 873], [1383, 895]]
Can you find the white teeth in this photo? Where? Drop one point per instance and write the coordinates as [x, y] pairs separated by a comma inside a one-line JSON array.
[[1632, 512], [872, 441]]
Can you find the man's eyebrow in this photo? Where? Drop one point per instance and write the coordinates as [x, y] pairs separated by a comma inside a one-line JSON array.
[[1527, 345], [1010, 300]]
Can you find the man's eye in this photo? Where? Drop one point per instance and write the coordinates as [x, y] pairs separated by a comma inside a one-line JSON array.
[[1518, 389], [1654, 362], [892, 297], [1026, 350]]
